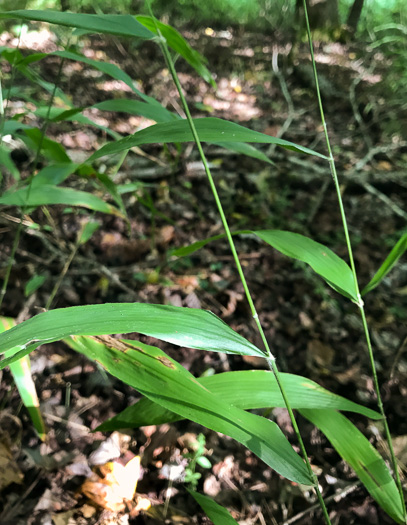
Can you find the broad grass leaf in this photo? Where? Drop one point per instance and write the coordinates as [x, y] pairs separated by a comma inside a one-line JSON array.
[[356, 450], [322, 260], [111, 70], [242, 148], [247, 389], [21, 372], [47, 194], [388, 264], [136, 107], [215, 512], [209, 130], [187, 327], [53, 175], [8, 164], [163, 380], [34, 139], [10, 127], [105, 67], [151, 111], [120, 25], [177, 42], [151, 108]]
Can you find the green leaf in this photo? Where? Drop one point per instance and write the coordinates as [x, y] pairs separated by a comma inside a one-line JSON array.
[[209, 130], [177, 42], [88, 231], [109, 69], [145, 109], [7, 162], [245, 149], [322, 260], [135, 107], [11, 126], [52, 150], [53, 175], [356, 450], [120, 25], [163, 380], [48, 195], [21, 372], [388, 264], [33, 284], [215, 512], [248, 389], [180, 326]]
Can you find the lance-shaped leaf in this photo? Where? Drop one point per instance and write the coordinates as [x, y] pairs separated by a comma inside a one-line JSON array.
[[21, 372], [209, 130], [188, 327], [120, 25], [322, 260], [356, 450], [247, 389], [163, 380], [109, 69], [215, 512], [388, 264], [47, 194], [34, 139], [151, 111]]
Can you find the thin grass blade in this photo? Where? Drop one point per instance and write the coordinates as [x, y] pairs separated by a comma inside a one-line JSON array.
[[21, 372], [215, 512], [388, 264], [47, 195], [356, 450]]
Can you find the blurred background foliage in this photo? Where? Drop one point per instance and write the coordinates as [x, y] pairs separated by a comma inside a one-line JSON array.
[[254, 15]]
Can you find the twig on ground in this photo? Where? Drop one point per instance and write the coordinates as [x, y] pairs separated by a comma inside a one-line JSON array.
[[335, 497], [284, 89], [381, 196], [379, 149]]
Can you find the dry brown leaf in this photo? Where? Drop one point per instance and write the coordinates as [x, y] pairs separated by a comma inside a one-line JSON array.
[[319, 354], [115, 486], [9, 470], [188, 283]]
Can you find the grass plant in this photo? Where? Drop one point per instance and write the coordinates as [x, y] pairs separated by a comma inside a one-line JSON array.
[[171, 393]]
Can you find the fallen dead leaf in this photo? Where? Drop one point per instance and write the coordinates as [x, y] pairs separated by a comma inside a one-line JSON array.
[[319, 354], [9, 470], [115, 486]]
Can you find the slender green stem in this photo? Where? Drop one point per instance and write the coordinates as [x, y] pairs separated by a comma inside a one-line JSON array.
[[269, 356], [64, 270], [359, 303]]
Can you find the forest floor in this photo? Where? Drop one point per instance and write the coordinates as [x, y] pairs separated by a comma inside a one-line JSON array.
[[313, 331]]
